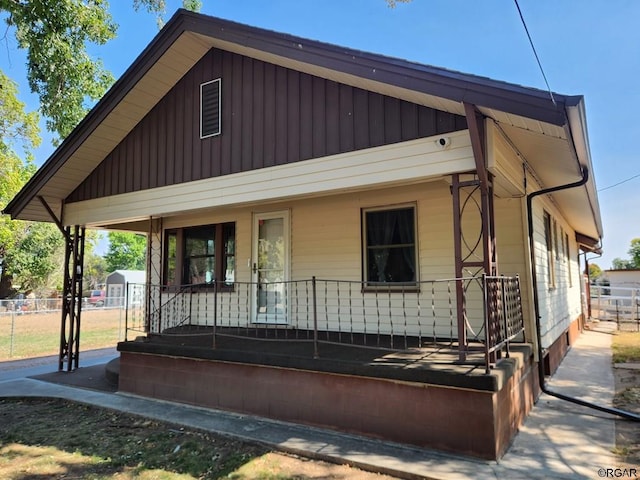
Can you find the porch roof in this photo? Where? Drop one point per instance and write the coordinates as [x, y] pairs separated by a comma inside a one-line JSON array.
[[552, 137]]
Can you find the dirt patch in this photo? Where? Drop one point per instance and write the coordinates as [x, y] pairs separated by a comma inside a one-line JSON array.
[[53, 438], [627, 397]]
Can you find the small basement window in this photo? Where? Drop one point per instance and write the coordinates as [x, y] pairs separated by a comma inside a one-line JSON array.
[[210, 108]]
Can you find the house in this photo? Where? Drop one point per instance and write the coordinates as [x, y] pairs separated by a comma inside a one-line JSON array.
[[367, 234], [125, 284]]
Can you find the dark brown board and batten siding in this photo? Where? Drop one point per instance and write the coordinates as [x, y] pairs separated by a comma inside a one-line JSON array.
[[270, 116]]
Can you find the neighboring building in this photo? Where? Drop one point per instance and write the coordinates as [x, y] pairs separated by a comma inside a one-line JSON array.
[[117, 287], [624, 279], [619, 298], [308, 194]]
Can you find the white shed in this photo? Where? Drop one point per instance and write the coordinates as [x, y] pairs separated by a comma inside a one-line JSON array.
[[116, 284]]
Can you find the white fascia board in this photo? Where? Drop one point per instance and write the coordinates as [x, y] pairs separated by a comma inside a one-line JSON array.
[[578, 126]]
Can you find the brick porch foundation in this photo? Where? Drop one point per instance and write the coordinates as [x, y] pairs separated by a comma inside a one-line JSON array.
[[467, 421]]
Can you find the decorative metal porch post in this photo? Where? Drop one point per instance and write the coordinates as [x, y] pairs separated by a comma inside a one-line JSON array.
[[154, 275], [71, 291], [474, 256], [72, 298]]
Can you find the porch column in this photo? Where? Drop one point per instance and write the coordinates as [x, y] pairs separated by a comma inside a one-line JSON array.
[[71, 291], [154, 274], [475, 123], [474, 251], [72, 298]]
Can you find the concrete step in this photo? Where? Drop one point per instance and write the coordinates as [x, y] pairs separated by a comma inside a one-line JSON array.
[[112, 371]]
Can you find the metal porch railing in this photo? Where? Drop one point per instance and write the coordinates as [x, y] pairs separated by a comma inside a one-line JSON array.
[[504, 320], [341, 312]]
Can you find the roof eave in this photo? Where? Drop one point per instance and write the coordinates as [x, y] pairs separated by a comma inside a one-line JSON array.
[[577, 124], [169, 33], [398, 74]]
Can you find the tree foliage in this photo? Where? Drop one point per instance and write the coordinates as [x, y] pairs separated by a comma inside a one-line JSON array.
[[95, 270], [126, 251], [631, 263], [37, 258], [595, 272], [621, 264], [56, 35], [60, 71], [634, 252], [393, 3], [159, 7], [29, 252]]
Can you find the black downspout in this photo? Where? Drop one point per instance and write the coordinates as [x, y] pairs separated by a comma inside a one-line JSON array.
[[536, 306]]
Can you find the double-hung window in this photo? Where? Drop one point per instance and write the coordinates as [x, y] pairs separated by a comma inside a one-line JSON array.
[[200, 255], [550, 238], [389, 246]]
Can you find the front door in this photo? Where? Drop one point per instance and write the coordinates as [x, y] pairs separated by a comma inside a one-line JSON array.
[[270, 267]]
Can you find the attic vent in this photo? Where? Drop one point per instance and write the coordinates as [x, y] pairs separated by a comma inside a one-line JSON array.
[[210, 108]]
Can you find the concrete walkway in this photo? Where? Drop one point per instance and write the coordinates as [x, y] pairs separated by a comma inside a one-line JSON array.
[[560, 440]]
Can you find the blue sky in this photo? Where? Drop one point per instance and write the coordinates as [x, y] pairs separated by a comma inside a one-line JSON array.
[[586, 48]]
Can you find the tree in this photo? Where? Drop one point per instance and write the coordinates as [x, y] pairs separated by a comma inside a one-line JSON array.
[[620, 264], [95, 266], [126, 251], [634, 252], [29, 252], [66, 79], [60, 71], [37, 258], [159, 7], [393, 3], [595, 272]]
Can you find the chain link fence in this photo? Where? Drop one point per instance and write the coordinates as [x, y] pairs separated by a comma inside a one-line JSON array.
[[30, 327]]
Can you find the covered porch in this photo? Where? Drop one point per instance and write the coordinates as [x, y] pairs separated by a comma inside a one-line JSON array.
[[320, 313], [382, 363]]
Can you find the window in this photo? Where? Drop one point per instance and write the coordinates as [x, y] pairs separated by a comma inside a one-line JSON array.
[[389, 246], [556, 249], [210, 108], [550, 238], [200, 255], [568, 256]]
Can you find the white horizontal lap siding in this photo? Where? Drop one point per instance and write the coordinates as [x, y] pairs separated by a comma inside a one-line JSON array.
[[372, 168], [512, 239], [513, 251], [560, 304], [326, 242], [327, 237]]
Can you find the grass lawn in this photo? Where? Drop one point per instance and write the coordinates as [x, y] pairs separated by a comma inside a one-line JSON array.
[[53, 438], [625, 347], [38, 334]]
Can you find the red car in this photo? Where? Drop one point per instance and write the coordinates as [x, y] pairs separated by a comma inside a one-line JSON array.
[[97, 297]]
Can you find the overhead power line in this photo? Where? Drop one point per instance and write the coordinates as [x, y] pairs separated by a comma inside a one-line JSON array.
[[524, 24], [619, 183]]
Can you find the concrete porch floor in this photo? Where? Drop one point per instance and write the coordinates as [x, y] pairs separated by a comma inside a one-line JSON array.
[[432, 363]]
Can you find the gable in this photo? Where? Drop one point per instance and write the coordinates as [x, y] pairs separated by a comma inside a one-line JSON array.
[[551, 137], [270, 115]]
